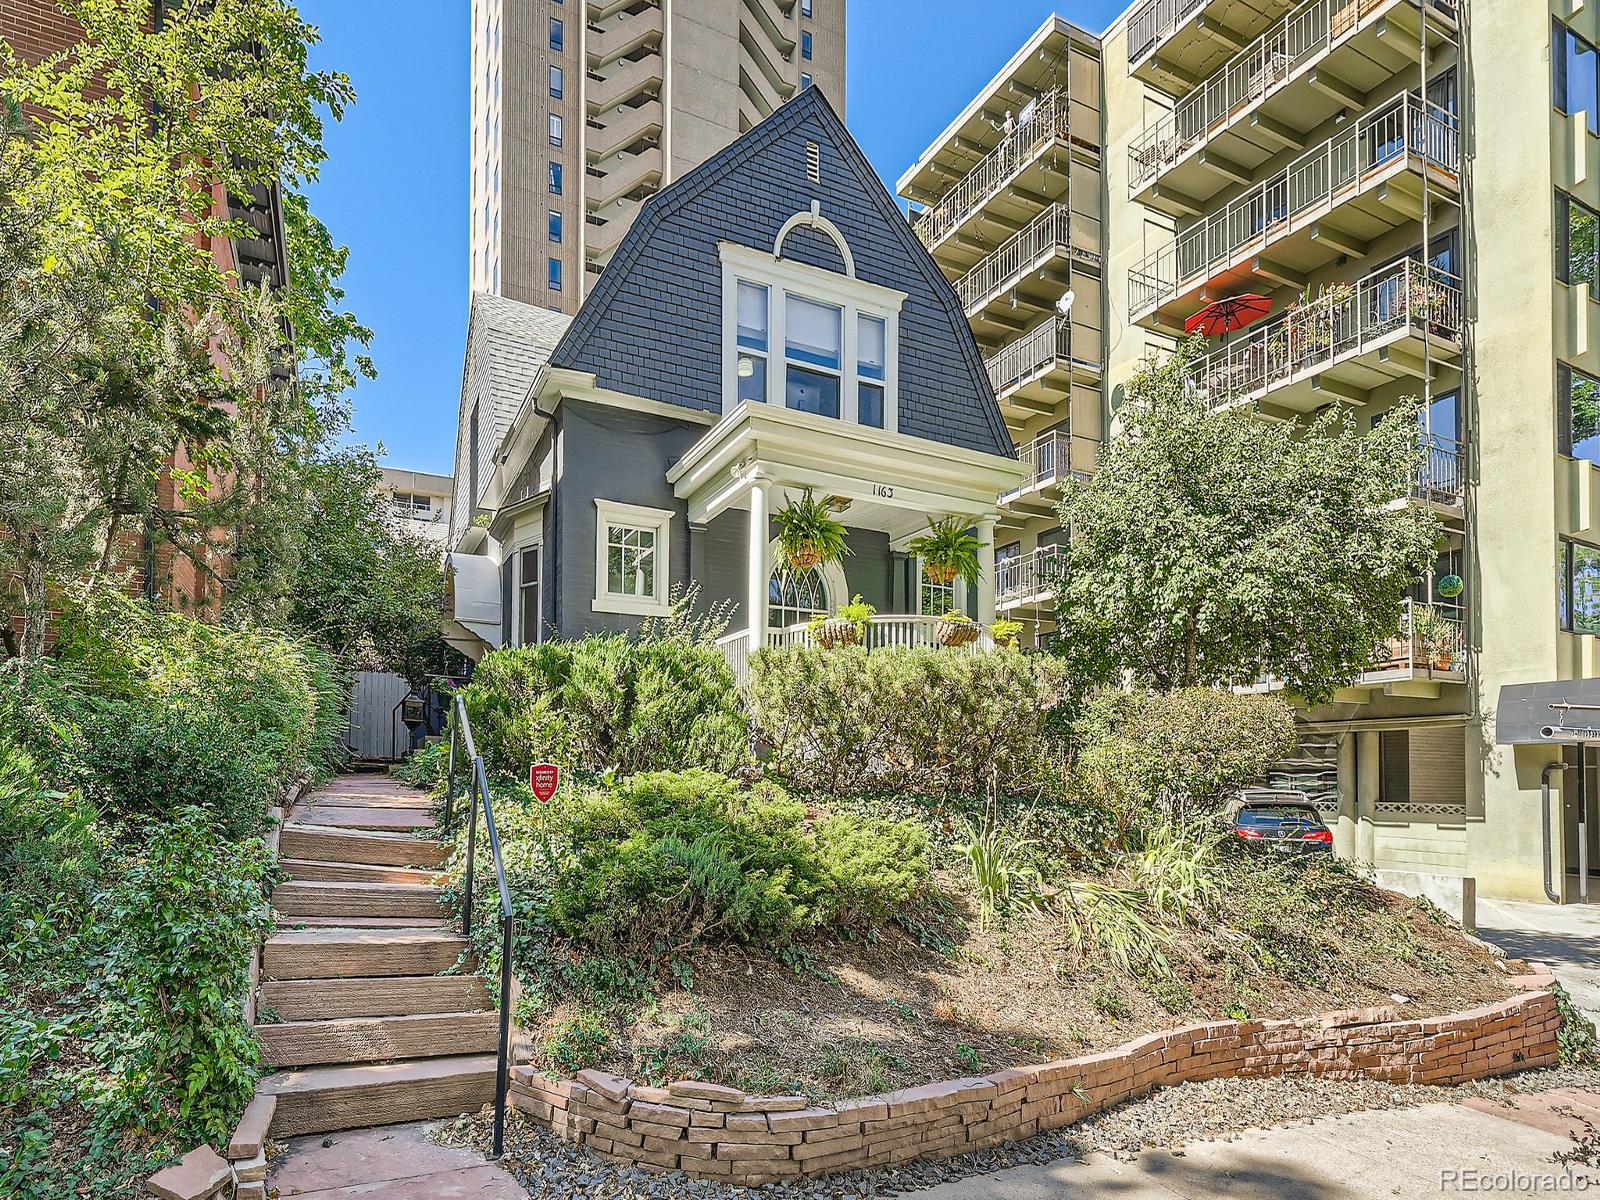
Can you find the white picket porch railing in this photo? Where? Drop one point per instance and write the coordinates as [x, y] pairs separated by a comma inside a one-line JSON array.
[[882, 633]]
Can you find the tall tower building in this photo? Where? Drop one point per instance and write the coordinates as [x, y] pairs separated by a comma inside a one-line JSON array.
[[583, 109]]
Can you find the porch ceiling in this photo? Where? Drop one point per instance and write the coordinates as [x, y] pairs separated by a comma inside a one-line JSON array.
[[893, 482]]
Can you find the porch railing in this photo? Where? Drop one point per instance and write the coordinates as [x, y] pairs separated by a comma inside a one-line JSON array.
[[1344, 320], [1305, 34], [1049, 341], [1268, 211], [1050, 458], [1027, 575], [1042, 121], [1050, 231], [885, 631], [1442, 477]]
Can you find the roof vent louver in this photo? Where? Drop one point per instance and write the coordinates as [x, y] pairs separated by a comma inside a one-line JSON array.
[[813, 162]]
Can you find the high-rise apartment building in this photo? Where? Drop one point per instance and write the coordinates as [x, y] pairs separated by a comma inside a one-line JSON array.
[[582, 109], [1415, 186], [1009, 202]]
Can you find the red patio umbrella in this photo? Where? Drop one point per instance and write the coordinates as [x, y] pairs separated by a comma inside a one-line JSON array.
[[1222, 317]]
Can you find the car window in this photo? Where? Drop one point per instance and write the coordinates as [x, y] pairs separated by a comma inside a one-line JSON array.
[[1278, 812]]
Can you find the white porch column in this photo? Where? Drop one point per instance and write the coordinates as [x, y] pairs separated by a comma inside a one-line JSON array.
[[986, 579], [760, 564]]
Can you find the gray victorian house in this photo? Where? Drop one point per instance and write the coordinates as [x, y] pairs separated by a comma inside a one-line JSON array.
[[770, 325]]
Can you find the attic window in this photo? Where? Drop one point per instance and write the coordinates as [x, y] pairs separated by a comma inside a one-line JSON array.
[[813, 162]]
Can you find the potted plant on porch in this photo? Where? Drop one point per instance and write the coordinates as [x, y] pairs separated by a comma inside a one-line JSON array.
[[948, 552], [809, 535], [847, 626], [1007, 634], [956, 629], [1437, 634]]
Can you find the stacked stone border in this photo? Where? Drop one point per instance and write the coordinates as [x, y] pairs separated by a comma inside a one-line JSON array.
[[713, 1132]]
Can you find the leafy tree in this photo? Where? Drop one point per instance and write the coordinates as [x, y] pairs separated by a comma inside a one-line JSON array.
[[1212, 548], [344, 573]]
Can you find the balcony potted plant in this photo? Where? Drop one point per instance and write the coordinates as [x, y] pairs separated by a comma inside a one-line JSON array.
[[1007, 634], [847, 626], [809, 535], [956, 629], [948, 552], [1437, 635]]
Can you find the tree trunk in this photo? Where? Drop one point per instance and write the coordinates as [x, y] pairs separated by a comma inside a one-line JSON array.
[[1188, 649], [34, 606]]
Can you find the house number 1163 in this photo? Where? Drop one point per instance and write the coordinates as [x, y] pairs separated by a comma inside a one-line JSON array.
[[883, 490]]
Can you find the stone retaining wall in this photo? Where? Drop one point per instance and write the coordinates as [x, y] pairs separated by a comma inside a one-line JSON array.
[[715, 1132]]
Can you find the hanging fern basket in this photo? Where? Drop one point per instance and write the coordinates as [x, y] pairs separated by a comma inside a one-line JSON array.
[[837, 631], [956, 633], [943, 574], [804, 557]]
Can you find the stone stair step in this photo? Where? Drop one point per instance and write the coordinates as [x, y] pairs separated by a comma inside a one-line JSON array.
[[379, 1039], [324, 1099], [287, 923], [400, 799], [390, 996], [348, 953], [320, 843], [319, 898], [337, 817], [311, 870]]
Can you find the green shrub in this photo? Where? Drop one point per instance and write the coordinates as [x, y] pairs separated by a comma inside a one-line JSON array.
[[1177, 754], [607, 703], [872, 868], [49, 855], [914, 720], [186, 911]]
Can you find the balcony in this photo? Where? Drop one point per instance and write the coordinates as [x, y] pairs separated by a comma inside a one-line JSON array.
[[629, 34], [1027, 581], [1050, 460], [622, 82], [1442, 478], [1330, 202], [629, 176], [623, 129], [1031, 269], [1017, 170], [1428, 650], [1033, 373], [1340, 346], [1325, 57]]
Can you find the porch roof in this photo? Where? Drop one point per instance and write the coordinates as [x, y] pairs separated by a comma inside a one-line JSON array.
[[895, 482]]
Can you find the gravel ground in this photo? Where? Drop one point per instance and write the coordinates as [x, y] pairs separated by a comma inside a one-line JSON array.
[[1217, 1109]]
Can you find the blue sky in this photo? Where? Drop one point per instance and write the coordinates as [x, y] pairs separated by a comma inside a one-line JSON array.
[[395, 187]]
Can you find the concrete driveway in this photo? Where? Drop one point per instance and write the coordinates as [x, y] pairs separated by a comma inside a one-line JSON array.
[[1566, 937], [1433, 1150]]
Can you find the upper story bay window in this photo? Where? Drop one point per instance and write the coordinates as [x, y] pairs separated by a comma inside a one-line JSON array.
[[816, 341]]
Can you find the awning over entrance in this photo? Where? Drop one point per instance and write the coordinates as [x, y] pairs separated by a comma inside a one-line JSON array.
[[1555, 713]]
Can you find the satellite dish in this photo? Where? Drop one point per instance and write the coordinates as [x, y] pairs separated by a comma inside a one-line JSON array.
[[1064, 305]]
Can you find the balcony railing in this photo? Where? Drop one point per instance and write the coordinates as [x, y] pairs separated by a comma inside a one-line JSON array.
[[1050, 341], [1343, 321], [1269, 210], [1049, 232], [1442, 478], [1272, 58], [1155, 22], [1043, 121], [1050, 458], [1027, 575]]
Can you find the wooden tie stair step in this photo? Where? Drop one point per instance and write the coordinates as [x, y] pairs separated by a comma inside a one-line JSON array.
[[354, 1007]]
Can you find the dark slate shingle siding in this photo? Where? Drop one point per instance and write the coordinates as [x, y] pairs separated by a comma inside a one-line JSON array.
[[653, 326]]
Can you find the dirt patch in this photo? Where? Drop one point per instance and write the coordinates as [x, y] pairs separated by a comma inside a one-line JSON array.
[[854, 1018]]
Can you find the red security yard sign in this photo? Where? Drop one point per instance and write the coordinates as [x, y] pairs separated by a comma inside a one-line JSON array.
[[544, 778]]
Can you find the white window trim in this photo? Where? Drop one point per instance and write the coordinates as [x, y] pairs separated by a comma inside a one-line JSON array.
[[517, 593], [782, 276], [660, 520]]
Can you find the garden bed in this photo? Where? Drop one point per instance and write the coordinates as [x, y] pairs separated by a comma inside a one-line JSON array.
[[867, 1016]]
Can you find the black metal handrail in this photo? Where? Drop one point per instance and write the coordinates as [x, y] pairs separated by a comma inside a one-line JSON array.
[[478, 793]]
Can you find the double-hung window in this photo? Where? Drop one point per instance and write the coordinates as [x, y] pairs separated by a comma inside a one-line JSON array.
[[872, 358], [632, 552], [751, 337], [557, 33], [805, 45], [557, 127], [555, 179], [528, 596], [558, 81], [813, 355], [1578, 252]]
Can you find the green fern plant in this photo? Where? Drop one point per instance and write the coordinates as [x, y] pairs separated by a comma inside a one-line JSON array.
[[948, 551], [809, 535]]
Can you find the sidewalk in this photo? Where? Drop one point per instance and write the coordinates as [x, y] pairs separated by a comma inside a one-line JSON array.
[[1409, 1154], [396, 1162], [1565, 937]]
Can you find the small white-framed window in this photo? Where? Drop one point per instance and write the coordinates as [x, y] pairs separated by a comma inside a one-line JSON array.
[[872, 365], [557, 129], [529, 618], [633, 550]]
